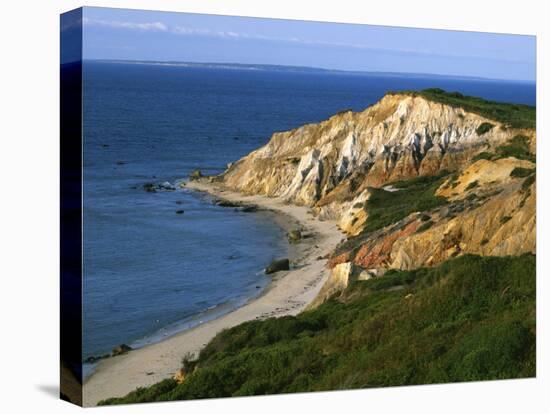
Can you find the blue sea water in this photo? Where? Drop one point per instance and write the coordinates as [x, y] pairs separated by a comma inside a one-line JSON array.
[[149, 272]]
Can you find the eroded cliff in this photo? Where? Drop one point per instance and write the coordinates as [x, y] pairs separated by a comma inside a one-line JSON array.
[[412, 181]]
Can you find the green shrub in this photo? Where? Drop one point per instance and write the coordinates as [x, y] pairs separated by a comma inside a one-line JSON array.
[[517, 147], [520, 172], [472, 185], [483, 156], [528, 182], [490, 350], [484, 128], [425, 226]]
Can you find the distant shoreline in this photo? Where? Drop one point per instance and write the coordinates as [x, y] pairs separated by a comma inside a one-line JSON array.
[[289, 293], [305, 69]]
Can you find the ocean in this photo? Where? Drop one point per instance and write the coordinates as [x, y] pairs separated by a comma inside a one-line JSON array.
[[149, 272]]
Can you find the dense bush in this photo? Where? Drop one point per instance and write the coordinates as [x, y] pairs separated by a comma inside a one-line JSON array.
[[484, 128], [425, 226], [483, 156], [517, 147], [520, 172], [472, 185], [528, 182], [471, 318]]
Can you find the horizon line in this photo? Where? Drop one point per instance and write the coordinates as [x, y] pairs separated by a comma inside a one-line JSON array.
[[238, 65]]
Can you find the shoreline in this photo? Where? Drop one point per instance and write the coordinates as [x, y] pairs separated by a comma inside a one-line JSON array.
[[289, 293]]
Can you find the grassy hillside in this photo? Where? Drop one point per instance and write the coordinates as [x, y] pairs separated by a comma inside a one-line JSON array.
[[388, 207], [471, 318], [517, 147], [417, 194], [512, 115]]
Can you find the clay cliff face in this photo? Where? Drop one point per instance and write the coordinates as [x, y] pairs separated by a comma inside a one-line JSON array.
[[496, 217], [484, 206], [396, 138]]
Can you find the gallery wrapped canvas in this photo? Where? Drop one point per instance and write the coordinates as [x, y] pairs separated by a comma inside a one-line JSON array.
[[258, 206]]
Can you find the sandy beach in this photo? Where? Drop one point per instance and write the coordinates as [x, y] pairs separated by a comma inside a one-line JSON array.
[[288, 294]]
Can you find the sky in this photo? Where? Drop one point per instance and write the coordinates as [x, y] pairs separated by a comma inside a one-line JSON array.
[[165, 36]]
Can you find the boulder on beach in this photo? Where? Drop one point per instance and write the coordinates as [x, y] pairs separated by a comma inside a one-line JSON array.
[[294, 236], [277, 266], [121, 349]]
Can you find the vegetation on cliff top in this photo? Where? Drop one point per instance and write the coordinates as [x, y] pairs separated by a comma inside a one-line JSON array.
[[511, 115], [517, 147], [470, 319]]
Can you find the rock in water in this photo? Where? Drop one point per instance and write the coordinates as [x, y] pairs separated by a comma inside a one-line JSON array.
[[180, 211], [153, 188], [150, 187], [277, 266], [249, 209], [195, 175], [294, 236], [92, 359], [121, 349], [167, 186], [226, 203]]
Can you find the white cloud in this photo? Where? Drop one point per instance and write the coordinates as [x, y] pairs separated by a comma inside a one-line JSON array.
[[147, 26], [182, 30], [191, 31]]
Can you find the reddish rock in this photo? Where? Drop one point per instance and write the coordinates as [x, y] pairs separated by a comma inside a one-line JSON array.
[[376, 252]]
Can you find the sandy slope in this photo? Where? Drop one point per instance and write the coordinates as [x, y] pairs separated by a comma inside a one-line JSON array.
[[289, 294]]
